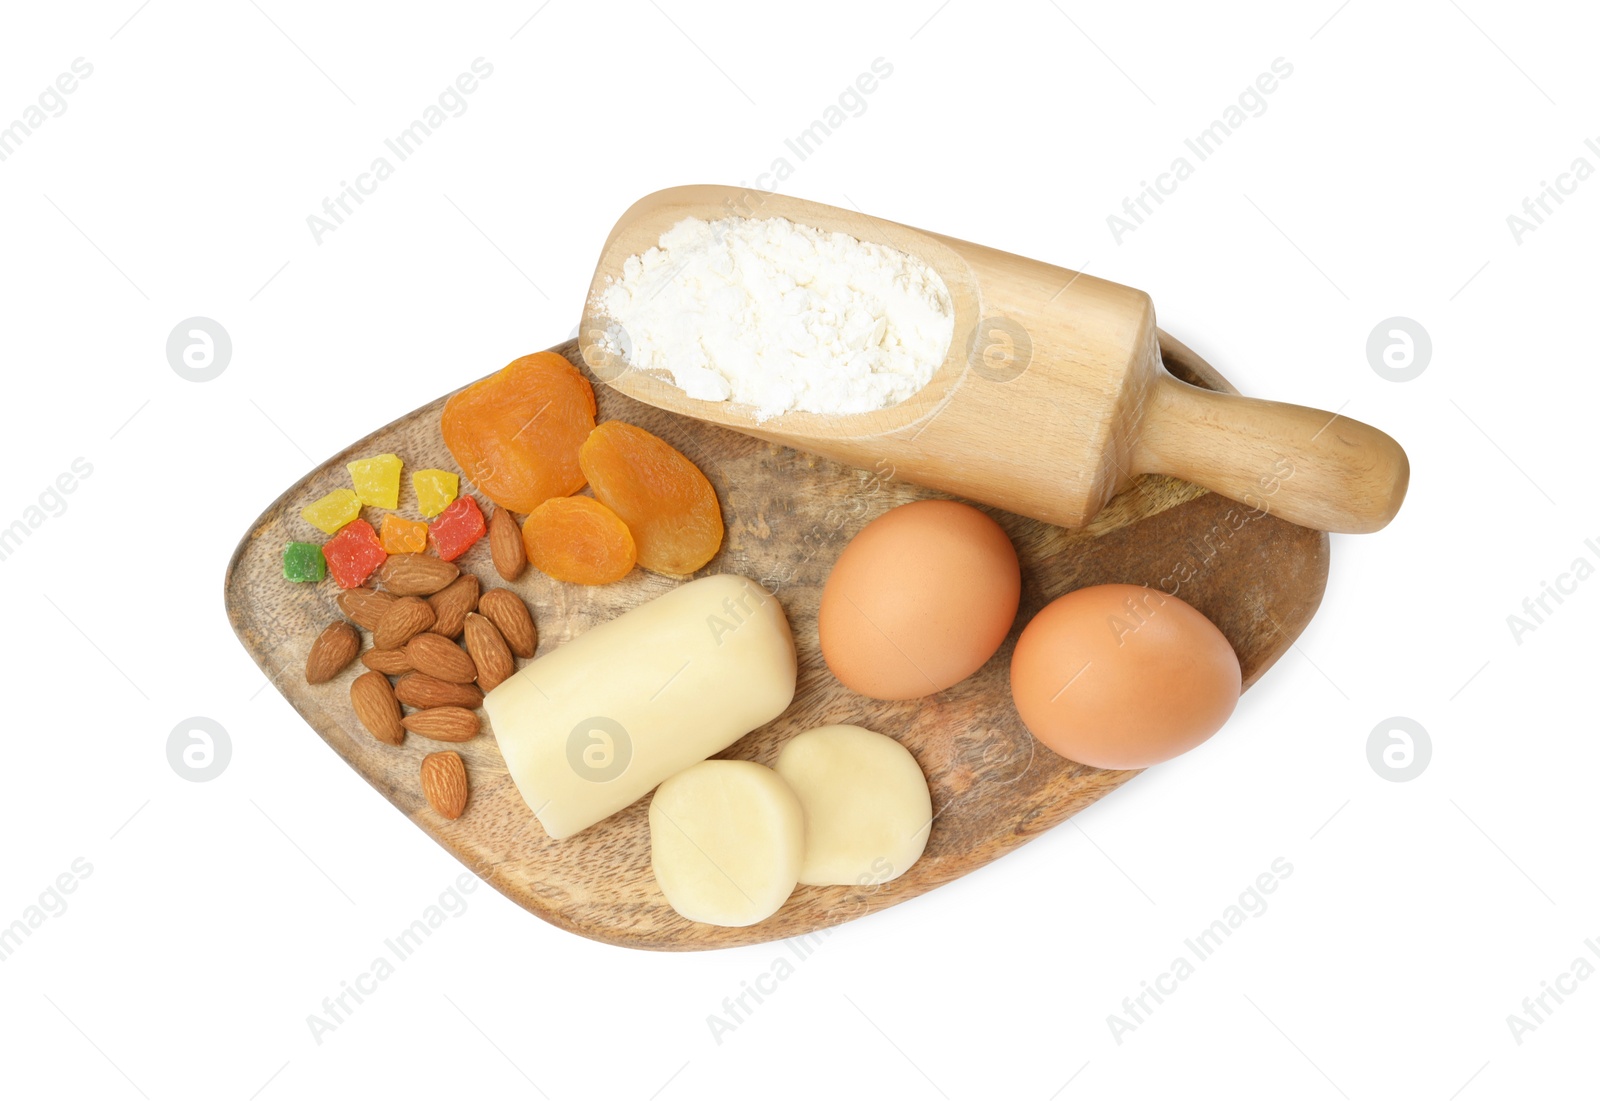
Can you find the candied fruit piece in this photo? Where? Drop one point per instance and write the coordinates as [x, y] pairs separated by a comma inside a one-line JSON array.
[[332, 511], [516, 434], [435, 489], [304, 562], [578, 539], [457, 528], [377, 480], [401, 536], [353, 554], [667, 503]]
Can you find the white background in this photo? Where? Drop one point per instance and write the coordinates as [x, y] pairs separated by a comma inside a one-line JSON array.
[[219, 915]]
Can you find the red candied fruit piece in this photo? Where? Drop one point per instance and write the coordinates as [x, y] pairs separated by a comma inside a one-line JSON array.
[[456, 528], [353, 554]]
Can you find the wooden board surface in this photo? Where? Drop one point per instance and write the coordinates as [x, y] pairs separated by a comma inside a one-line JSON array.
[[788, 515]]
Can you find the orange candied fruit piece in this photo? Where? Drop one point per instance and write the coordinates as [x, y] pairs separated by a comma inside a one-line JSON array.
[[578, 539], [516, 434], [665, 500], [401, 536]]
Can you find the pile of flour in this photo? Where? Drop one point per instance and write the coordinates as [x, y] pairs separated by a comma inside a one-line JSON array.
[[780, 316]]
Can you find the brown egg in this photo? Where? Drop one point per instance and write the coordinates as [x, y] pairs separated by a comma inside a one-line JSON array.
[[1123, 676], [919, 600]]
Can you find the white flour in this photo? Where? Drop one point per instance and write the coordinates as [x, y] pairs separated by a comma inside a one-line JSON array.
[[780, 316]]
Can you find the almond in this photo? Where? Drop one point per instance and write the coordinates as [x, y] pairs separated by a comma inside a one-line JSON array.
[[376, 707], [489, 652], [416, 574], [510, 557], [437, 656], [336, 647], [506, 611], [391, 662], [451, 605], [406, 617], [443, 724], [422, 691], [444, 783], [365, 606]]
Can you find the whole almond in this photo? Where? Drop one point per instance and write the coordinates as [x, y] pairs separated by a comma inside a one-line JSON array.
[[443, 724], [336, 647], [437, 656], [506, 611], [365, 606], [510, 557], [452, 603], [376, 707], [489, 652], [393, 663], [406, 617], [422, 691], [444, 783], [416, 574]]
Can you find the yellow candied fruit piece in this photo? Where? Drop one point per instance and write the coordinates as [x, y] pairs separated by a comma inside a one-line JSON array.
[[435, 489], [377, 480], [401, 536], [332, 511]]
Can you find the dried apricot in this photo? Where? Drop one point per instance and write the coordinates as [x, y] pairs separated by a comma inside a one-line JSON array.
[[516, 434], [578, 539], [665, 500]]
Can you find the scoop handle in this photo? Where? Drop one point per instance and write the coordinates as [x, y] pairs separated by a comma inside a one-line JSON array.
[[1313, 468]]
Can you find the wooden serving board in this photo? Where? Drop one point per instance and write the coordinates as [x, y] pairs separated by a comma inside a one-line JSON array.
[[788, 514]]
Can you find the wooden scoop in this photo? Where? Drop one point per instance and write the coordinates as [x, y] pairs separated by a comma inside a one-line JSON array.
[[1052, 397]]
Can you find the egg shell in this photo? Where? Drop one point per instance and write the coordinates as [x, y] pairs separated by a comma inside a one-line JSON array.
[[919, 600], [1123, 676]]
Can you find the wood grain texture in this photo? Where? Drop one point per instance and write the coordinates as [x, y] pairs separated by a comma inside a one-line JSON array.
[[1062, 362], [788, 514]]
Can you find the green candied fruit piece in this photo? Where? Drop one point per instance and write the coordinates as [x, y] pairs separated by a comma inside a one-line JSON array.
[[304, 562]]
